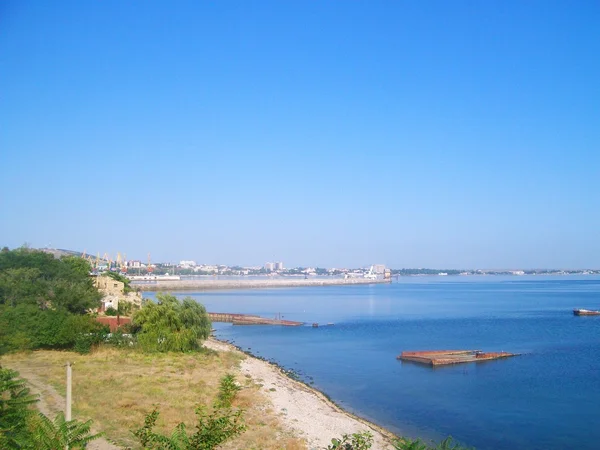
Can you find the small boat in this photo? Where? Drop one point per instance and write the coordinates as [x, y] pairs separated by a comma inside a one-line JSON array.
[[585, 312]]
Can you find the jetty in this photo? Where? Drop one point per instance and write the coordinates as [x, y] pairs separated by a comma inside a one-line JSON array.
[[284, 282], [249, 319], [446, 357]]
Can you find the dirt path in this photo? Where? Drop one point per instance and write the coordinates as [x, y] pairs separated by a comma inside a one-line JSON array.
[[51, 402]]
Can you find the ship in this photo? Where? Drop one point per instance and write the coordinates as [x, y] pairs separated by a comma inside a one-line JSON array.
[[586, 312]]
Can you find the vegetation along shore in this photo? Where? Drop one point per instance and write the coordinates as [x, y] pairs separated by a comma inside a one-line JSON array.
[[158, 382]]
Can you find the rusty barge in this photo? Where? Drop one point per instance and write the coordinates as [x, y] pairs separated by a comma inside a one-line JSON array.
[[586, 312], [446, 357]]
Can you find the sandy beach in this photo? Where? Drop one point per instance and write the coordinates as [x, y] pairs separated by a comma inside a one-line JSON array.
[[305, 411]]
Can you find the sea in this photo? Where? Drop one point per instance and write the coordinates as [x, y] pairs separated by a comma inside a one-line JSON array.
[[546, 398]]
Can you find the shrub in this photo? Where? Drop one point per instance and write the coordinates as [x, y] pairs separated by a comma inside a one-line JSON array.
[[23, 428], [26, 327], [228, 389], [213, 428], [171, 324], [356, 441], [15, 400], [120, 338], [417, 444], [110, 311]]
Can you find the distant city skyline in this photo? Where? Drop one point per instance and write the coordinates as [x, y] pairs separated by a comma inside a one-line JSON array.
[[335, 134]]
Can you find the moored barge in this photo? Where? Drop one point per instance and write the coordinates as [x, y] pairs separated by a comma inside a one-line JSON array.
[[586, 312]]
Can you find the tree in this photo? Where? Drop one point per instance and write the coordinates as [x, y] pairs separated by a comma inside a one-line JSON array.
[[27, 327], [15, 401], [171, 324], [118, 277], [22, 428], [37, 278]]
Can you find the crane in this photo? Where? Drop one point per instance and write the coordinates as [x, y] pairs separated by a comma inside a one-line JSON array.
[[371, 275], [150, 269]]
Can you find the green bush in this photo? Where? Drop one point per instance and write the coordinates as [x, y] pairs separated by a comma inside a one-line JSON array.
[[110, 311], [120, 338], [356, 441], [22, 428], [171, 324], [228, 389], [417, 444], [213, 428], [26, 327]]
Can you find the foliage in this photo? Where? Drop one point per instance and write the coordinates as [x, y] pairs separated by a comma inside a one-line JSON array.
[[60, 433], [123, 279], [228, 389], [22, 428], [213, 428], [171, 324], [120, 338], [417, 444], [37, 278], [125, 308], [44, 301], [15, 401], [356, 441], [27, 327]]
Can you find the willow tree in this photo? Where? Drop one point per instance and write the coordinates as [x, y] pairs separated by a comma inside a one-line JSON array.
[[170, 324]]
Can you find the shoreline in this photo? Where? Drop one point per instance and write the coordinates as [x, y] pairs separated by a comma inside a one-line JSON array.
[[306, 411], [213, 285]]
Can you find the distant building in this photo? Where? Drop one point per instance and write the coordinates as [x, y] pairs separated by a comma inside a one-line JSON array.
[[279, 265], [187, 264], [379, 268], [269, 267], [206, 268]]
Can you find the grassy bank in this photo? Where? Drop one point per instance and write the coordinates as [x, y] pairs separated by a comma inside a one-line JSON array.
[[117, 388]]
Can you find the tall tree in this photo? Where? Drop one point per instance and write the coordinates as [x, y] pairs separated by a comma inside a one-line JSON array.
[[171, 324]]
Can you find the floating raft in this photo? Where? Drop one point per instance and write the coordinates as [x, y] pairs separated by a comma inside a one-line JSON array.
[[445, 357], [585, 312]]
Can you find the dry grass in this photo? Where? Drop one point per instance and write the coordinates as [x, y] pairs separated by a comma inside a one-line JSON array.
[[117, 388]]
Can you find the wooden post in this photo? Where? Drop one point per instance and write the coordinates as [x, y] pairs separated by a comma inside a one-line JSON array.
[[69, 382]]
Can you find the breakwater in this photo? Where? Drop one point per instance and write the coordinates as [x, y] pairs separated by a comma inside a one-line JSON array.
[[249, 319], [208, 285]]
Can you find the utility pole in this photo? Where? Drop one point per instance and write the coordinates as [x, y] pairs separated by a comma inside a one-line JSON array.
[[69, 382]]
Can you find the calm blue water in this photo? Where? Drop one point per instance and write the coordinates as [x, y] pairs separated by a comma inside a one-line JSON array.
[[548, 398]]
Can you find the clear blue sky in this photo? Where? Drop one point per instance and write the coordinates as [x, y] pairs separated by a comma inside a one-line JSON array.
[[416, 134]]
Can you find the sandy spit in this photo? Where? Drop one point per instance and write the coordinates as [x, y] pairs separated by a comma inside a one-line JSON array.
[[302, 409]]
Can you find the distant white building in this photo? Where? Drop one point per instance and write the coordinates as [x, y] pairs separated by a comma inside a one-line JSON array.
[[187, 264], [269, 267], [379, 268], [206, 268], [279, 265]]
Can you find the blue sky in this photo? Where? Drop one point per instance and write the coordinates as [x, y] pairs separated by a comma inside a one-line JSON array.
[[458, 134]]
